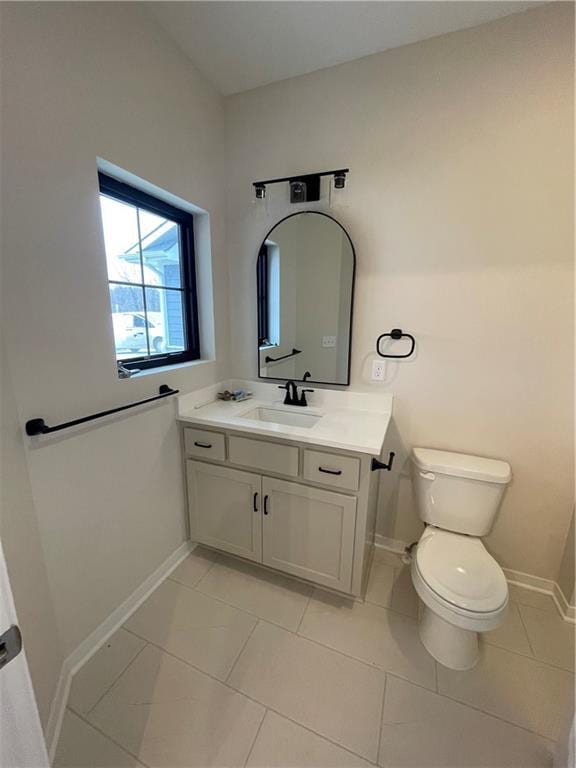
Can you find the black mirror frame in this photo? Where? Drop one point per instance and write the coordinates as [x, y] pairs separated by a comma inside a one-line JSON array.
[[315, 381]]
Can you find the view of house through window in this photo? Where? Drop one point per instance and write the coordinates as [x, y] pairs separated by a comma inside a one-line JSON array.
[[149, 253]]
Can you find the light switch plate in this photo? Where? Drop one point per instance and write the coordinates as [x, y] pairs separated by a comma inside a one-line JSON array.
[[378, 370], [328, 341]]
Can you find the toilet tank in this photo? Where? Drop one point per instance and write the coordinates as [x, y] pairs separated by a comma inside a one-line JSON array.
[[457, 492]]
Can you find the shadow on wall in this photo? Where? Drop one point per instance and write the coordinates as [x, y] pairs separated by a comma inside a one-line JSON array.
[[397, 516], [566, 572]]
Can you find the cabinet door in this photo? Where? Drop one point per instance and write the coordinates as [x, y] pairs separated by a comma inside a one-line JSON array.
[[225, 509], [309, 532]]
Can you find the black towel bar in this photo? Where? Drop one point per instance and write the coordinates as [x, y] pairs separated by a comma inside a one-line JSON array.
[[39, 427], [269, 359]]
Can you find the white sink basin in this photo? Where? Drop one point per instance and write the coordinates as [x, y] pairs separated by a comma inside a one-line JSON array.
[[292, 418]]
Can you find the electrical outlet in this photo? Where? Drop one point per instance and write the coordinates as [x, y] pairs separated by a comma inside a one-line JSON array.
[[378, 370]]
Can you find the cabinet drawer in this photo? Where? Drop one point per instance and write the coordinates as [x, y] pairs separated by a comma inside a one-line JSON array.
[[267, 457], [331, 469], [204, 444]]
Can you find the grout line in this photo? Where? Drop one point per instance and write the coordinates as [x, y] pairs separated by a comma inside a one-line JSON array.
[[112, 740], [241, 609], [392, 610], [343, 653], [533, 658], [475, 708], [548, 613], [113, 683], [336, 650], [326, 647], [497, 717], [304, 612], [211, 675], [532, 654], [249, 755], [372, 667], [131, 632], [558, 610], [240, 692], [241, 651], [544, 610], [307, 727], [230, 561], [364, 663], [412, 619], [247, 696], [323, 736], [193, 586], [269, 708], [313, 589], [381, 721]]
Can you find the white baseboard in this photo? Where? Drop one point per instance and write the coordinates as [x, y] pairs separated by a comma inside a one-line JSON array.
[[524, 580], [546, 587], [567, 610], [99, 636], [391, 545], [57, 709], [535, 583]]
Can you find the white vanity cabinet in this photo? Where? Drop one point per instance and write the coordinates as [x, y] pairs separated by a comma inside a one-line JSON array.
[[310, 513], [309, 532], [224, 509]]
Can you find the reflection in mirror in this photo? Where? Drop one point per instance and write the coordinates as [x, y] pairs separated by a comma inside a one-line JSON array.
[[305, 280]]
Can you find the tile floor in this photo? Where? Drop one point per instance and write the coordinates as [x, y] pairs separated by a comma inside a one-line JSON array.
[[228, 665]]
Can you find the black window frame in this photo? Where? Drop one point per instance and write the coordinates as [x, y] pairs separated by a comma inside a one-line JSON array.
[[262, 290], [125, 193]]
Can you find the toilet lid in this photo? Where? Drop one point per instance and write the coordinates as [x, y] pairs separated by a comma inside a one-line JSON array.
[[460, 570]]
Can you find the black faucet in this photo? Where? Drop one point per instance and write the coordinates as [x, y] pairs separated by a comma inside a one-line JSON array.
[[292, 397]]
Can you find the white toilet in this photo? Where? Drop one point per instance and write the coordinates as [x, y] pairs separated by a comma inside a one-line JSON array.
[[463, 588]]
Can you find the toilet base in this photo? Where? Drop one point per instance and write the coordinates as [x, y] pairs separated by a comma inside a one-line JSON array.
[[452, 646]]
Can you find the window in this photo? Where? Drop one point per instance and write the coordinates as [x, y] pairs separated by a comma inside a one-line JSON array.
[[268, 289], [151, 276], [262, 284]]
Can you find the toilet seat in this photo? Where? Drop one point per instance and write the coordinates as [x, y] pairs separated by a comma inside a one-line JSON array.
[[461, 573]]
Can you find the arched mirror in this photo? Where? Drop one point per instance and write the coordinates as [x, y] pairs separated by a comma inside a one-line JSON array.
[[305, 279]]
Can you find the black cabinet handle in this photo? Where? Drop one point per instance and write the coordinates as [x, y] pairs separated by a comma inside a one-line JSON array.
[[255, 503], [203, 445], [330, 471], [266, 504]]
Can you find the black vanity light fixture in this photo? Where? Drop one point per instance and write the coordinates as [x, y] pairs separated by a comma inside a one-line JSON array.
[[304, 188], [340, 180]]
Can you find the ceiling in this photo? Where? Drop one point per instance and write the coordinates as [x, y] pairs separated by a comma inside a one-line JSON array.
[[242, 45]]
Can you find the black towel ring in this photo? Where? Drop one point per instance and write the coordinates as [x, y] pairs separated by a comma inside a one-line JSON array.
[[396, 333]]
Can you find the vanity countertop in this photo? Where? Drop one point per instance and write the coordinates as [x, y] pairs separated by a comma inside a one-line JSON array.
[[349, 421]]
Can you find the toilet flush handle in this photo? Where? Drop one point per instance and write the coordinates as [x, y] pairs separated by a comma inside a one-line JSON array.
[[427, 475]]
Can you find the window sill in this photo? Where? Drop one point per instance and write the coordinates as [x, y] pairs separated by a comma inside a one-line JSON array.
[[164, 369]]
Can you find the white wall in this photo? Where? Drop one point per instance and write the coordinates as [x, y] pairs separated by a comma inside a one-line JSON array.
[[460, 206], [81, 81], [22, 544]]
